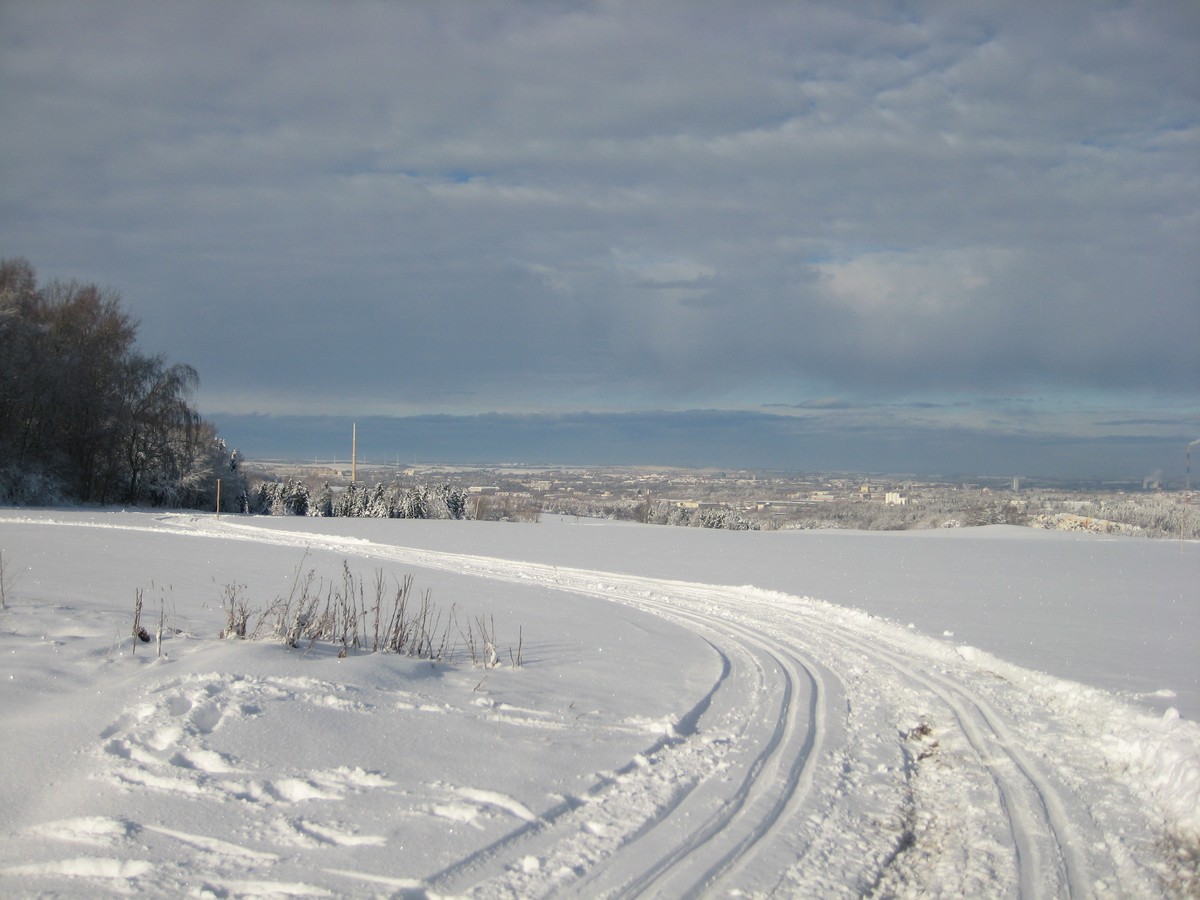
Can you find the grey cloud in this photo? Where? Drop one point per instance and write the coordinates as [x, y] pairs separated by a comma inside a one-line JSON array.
[[618, 205]]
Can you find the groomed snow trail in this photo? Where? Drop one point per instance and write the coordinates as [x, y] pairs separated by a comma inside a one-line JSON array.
[[836, 755]]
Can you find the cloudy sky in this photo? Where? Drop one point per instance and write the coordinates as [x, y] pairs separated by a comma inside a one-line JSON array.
[[928, 227]]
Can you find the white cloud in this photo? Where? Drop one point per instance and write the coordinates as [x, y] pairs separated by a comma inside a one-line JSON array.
[[897, 286]]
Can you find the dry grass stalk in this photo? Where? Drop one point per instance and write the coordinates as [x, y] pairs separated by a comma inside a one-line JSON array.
[[339, 613]]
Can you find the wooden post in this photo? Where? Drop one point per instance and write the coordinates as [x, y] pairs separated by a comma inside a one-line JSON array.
[[218, 498]]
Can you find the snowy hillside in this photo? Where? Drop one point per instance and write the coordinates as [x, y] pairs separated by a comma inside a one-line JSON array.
[[975, 713]]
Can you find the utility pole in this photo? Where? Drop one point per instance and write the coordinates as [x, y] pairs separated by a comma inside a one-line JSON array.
[[354, 453]]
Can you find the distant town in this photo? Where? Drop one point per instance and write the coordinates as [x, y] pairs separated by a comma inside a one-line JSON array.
[[763, 500]]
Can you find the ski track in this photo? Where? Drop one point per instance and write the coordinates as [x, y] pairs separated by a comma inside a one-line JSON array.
[[821, 732]]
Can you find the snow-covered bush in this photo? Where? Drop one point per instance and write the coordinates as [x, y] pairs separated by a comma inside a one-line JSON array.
[[723, 517], [506, 508], [30, 488]]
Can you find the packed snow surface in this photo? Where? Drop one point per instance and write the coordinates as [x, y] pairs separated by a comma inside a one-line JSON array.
[[985, 712]]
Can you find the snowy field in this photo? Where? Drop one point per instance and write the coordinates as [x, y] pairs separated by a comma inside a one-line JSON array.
[[985, 712]]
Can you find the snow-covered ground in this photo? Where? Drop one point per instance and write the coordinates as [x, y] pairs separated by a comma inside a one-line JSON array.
[[985, 712]]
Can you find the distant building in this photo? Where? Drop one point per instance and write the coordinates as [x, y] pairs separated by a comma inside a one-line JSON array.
[[895, 498]]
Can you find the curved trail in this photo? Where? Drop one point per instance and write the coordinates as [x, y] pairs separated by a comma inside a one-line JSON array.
[[834, 755]]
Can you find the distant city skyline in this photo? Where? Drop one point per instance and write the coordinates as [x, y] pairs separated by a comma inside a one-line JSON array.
[[907, 236]]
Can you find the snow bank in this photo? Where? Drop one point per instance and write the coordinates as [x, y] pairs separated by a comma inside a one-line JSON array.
[[1157, 755], [1163, 757]]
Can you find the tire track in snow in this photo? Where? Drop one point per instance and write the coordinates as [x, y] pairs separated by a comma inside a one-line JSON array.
[[1045, 828], [1045, 836], [1048, 859], [494, 860], [672, 855], [664, 850], [1046, 839], [772, 782]]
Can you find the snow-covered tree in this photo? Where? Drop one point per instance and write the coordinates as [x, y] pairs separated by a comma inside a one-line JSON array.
[[322, 504], [415, 504], [351, 502], [449, 502], [379, 505], [296, 499]]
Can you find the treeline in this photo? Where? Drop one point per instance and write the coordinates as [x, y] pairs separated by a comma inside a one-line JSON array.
[[661, 512], [85, 416], [394, 501], [846, 514], [1151, 515], [1155, 515]]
